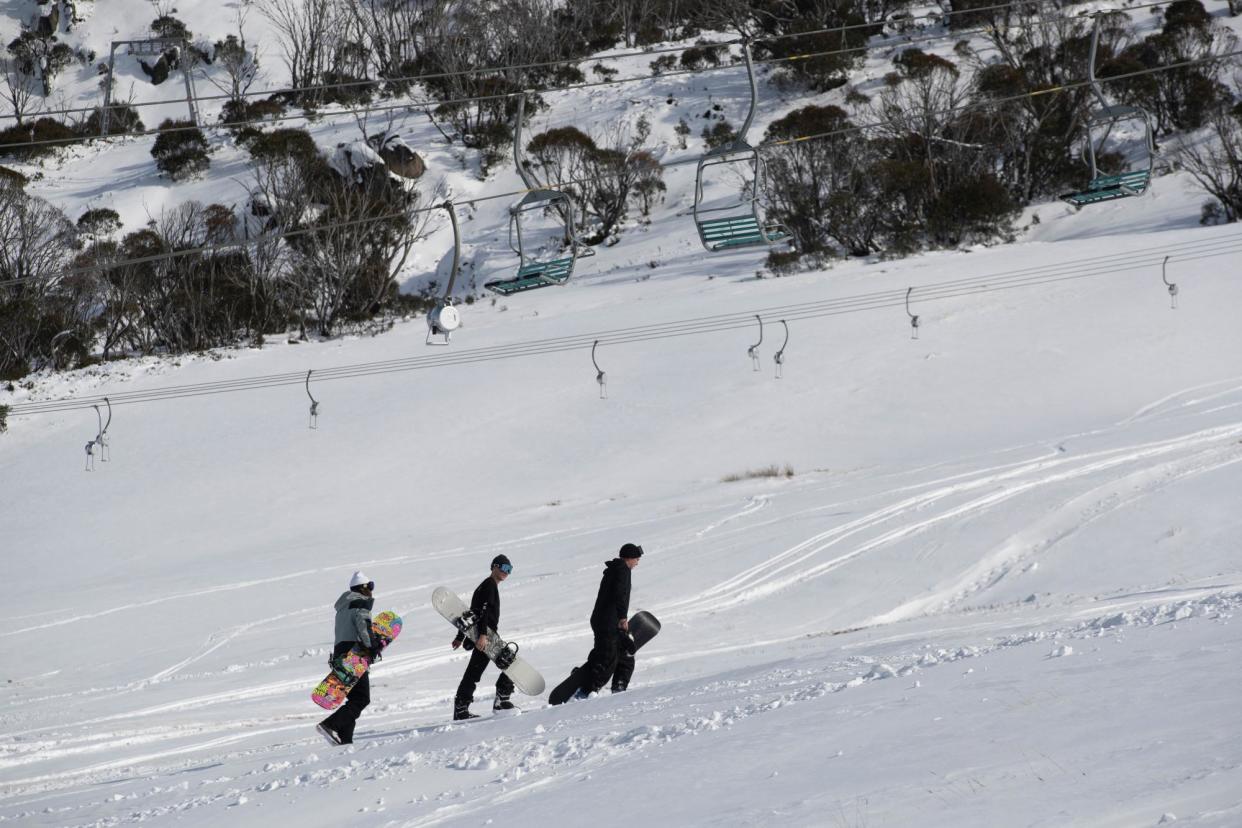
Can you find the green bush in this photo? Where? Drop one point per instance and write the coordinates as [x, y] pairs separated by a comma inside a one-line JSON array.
[[180, 150], [719, 134], [13, 177], [122, 120], [978, 208], [169, 27], [239, 112], [32, 140], [100, 221], [284, 143]]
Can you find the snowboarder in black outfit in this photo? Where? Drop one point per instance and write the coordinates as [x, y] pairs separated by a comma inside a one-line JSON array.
[[485, 604], [613, 653], [353, 626]]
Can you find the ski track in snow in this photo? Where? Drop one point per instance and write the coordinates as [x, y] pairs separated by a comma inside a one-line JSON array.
[[1088, 486], [795, 564], [559, 747], [1198, 452]]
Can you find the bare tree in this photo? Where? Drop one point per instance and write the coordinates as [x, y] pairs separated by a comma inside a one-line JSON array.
[[1215, 160], [239, 63], [393, 31], [163, 8], [821, 190], [461, 38], [19, 90], [36, 241], [349, 261], [602, 178], [917, 113], [305, 29]]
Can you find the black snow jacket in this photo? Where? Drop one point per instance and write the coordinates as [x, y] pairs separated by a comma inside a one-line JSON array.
[[613, 601], [485, 604]]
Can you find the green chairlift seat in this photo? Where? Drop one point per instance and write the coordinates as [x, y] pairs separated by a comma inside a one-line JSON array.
[[1110, 187], [738, 231], [1104, 186], [534, 275], [729, 227], [533, 272]]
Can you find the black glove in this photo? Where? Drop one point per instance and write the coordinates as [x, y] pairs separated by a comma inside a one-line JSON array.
[[373, 653]]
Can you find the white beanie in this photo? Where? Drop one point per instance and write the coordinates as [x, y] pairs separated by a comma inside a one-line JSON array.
[[360, 578]]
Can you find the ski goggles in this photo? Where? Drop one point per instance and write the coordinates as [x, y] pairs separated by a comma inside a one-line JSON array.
[[505, 568]]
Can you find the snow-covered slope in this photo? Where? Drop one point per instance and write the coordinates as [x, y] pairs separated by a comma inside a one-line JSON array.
[[999, 588]]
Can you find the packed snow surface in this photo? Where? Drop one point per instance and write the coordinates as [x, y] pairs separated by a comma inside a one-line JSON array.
[[999, 587]]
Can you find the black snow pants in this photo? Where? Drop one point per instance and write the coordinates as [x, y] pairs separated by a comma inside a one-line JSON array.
[[344, 718], [470, 680], [611, 657]]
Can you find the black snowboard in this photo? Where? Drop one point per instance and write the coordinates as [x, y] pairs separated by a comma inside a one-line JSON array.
[[643, 627]]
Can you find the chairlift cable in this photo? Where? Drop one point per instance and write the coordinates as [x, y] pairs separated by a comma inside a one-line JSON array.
[[649, 333], [424, 104], [411, 79], [861, 301], [267, 237]]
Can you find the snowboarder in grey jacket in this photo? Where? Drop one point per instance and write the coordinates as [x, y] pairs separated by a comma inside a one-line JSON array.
[[353, 626]]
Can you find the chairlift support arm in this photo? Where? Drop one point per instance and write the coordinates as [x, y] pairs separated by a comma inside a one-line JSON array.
[[751, 351]]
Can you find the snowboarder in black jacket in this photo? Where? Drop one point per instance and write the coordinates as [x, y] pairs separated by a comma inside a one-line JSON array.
[[613, 652], [485, 604], [353, 626]]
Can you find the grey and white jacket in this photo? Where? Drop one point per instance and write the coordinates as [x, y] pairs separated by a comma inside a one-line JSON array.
[[353, 618]]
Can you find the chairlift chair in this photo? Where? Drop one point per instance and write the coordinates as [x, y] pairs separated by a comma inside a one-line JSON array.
[[730, 226], [536, 271], [1136, 179]]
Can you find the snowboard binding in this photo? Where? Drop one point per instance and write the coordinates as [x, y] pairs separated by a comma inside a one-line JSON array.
[[465, 625], [505, 657]]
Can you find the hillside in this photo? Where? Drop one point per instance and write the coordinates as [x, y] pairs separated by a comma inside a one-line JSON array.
[[997, 587]]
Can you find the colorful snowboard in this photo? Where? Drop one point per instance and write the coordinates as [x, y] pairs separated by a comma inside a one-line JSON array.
[[504, 655], [643, 627], [351, 666]]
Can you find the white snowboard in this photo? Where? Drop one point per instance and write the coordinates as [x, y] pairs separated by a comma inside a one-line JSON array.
[[524, 677]]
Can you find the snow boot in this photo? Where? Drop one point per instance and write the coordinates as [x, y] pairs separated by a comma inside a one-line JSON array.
[[328, 733], [461, 711], [503, 703]]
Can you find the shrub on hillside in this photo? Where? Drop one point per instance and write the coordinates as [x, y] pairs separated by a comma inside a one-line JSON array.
[[978, 208], [100, 221], [180, 150], [31, 140], [291, 143], [12, 177], [169, 27], [240, 112], [122, 120]]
